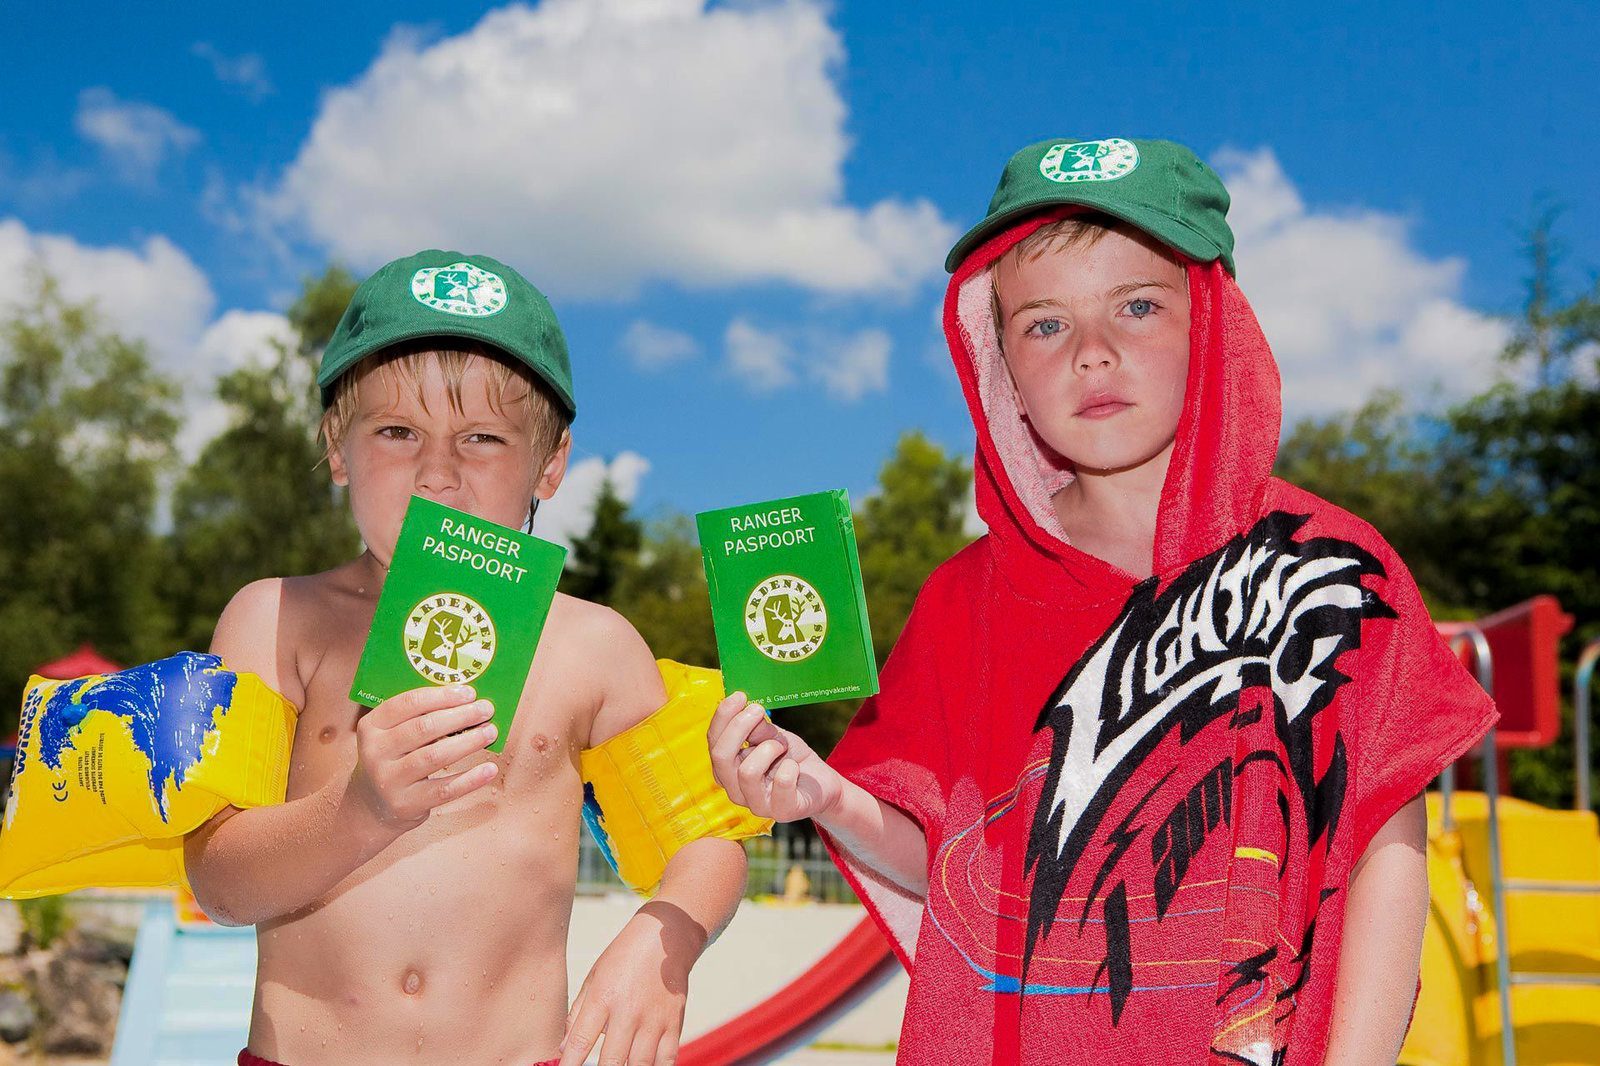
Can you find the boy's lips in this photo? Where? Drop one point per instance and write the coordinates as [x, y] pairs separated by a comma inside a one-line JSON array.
[[1102, 405]]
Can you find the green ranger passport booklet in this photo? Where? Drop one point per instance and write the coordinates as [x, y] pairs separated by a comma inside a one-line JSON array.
[[787, 601], [464, 603]]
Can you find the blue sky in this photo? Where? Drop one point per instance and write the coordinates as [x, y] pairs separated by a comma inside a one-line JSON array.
[[740, 211]]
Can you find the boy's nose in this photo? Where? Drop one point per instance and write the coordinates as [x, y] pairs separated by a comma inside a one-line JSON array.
[[440, 470], [1094, 353]]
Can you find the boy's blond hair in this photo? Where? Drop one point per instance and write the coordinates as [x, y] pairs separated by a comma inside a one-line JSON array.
[[402, 366]]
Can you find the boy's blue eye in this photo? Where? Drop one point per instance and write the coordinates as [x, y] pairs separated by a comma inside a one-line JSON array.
[[1048, 327], [1140, 307]]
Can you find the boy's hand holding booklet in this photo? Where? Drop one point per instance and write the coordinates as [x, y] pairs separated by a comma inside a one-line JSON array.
[[787, 600], [464, 603]]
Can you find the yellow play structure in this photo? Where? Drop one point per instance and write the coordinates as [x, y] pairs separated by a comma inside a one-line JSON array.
[[1511, 956]]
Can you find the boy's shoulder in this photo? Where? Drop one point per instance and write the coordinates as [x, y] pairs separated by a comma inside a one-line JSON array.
[[246, 635], [265, 623], [1328, 519], [951, 584], [596, 650]]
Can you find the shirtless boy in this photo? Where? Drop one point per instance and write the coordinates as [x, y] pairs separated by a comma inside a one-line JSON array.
[[412, 894]]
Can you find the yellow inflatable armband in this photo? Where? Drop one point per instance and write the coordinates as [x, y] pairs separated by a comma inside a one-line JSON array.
[[113, 769], [649, 790]]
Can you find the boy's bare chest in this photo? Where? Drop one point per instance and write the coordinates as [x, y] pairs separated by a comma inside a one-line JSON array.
[[540, 753]]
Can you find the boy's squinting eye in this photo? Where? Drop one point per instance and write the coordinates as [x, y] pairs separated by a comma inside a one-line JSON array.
[[394, 432], [484, 438], [1046, 327]]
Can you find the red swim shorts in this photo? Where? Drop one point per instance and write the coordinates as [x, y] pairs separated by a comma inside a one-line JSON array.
[[247, 1059]]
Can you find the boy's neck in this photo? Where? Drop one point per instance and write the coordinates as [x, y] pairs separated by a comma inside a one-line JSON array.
[[1111, 514], [368, 573]]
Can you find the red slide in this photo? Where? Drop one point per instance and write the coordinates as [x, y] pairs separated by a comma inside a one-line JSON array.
[[792, 1016]]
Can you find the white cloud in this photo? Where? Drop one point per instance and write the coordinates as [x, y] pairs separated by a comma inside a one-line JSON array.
[[762, 360], [1346, 301], [855, 366], [153, 292], [653, 347], [570, 512], [247, 72], [136, 137], [971, 523], [244, 338], [599, 144], [42, 182], [848, 366]]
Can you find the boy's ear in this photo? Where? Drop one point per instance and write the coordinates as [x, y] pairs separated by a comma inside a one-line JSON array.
[[336, 468], [555, 468]]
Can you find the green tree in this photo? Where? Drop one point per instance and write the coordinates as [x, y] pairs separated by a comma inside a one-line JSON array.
[[601, 556], [662, 591], [911, 525], [1498, 498], [1374, 463], [903, 531], [256, 502], [86, 432]]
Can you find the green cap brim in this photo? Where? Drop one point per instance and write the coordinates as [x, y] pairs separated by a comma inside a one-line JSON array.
[[1165, 228], [330, 373]]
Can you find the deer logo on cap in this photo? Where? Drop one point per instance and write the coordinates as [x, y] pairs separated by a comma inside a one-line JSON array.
[[460, 289], [1105, 160]]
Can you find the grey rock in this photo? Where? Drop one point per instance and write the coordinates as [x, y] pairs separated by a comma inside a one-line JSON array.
[[17, 1016], [77, 1003]]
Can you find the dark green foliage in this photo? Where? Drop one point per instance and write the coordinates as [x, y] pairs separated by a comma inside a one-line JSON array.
[[601, 557], [257, 502], [662, 591], [911, 525], [1497, 499], [86, 433]]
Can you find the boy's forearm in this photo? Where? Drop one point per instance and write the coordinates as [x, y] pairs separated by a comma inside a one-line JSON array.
[[267, 862], [879, 835], [1381, 952], [700, 891]]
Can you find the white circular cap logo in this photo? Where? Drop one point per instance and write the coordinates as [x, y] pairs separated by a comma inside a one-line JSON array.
[[1105, 160], [785, 618], [449, 638], [460, 289]]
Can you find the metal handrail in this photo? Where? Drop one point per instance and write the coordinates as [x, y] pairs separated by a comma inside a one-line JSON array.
[[1580, 719], [1447, 797], [1471, 636]]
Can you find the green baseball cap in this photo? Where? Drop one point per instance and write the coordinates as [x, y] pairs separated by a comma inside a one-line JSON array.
[[448, 294], [1161, 187]]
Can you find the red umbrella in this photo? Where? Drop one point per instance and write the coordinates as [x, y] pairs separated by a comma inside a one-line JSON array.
[[83, 661]]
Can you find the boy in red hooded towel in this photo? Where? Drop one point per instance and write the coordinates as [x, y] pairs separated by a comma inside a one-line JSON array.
[[1143, 782]]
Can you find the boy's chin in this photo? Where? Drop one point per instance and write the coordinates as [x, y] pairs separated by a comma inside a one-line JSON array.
[[1120, 457]]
